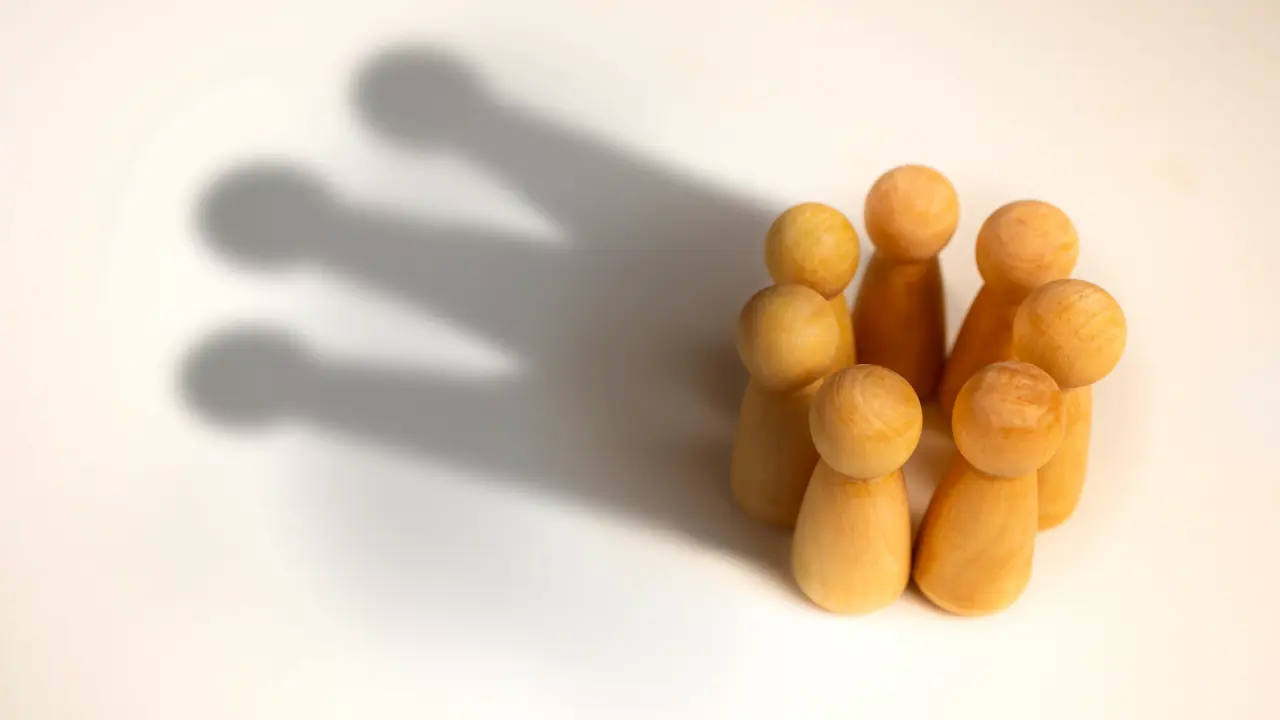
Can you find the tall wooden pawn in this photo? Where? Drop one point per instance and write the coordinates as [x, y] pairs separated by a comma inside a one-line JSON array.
[[851, 552], [1076, 332], [815, 245], [787, 338], [899, 316], [1020, 246], [976, 541]]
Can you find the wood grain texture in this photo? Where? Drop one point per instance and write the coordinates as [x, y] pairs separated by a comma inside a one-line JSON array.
[[815, 245], [773, 453], [866, 421], [977, 538], [851, 552], [911, 212], [787, 336], [1061, 480], [1077, 332], [1009, 419], [1021, 246], [975, 545], [899, 320]]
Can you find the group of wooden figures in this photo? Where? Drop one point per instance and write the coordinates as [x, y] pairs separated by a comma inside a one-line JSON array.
[[833, 407]]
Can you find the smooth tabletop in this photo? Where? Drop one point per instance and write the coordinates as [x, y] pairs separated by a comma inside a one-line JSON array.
[[375, 359]]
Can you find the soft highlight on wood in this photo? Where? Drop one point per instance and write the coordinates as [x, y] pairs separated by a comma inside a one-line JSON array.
[[1076, 332], [899, 314], [787, 336], [911, 212], [975, 546], [851, 551], [866, 421], [815, 245], [1020, 246], [974, 549], [1025, 244], [1072, 329], [1009, 419]]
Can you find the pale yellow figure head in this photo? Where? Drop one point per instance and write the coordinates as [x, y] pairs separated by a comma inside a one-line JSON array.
[[1025, 244], [787, 336], [866, 421], [1009, 419], [1072, 329], [911, 212], [815, 245]]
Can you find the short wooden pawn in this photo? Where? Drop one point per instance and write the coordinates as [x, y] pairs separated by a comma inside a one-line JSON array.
[[899, 316], [1020, 246], [1076, 332], [815, 245], [787, 338], [851, 552], [974, 550]]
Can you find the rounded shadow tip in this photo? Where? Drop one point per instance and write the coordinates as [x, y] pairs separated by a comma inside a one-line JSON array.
[[244, 377], [418, 94], [266, 214]]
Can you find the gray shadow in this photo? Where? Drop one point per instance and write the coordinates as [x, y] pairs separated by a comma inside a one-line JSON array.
[[632, 383]]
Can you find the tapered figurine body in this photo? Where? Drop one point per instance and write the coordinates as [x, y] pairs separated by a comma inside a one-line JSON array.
[[815, 245], [1020, 246], [974, 550], [1076, 332], [851, 552], [899, 316], [787, 338]]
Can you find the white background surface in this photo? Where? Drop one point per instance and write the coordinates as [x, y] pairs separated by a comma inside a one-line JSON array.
[[408, 542]]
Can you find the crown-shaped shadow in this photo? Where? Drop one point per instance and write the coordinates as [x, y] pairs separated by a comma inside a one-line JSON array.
[[631, 384]]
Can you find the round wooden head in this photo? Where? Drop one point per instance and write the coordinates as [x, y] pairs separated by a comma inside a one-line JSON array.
[[911, 212], [1009, 419], [787, 336], [1026, 244], [866, 421], [1072, 329], [815, 245]]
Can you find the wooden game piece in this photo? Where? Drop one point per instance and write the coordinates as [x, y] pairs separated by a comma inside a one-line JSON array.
[[851, 551], [815, 245], [1020, 246], [1076, 332], [974, 548], [899, 316], [787, 337]]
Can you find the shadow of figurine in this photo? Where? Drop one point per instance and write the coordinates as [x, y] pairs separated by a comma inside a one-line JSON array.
[[631, 381]]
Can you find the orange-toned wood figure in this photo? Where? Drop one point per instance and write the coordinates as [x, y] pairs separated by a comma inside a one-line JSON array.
[[899, 316], [851, 551], [1076, 332], [787, 338], [1020, 246], [975, 545], [815, 245]]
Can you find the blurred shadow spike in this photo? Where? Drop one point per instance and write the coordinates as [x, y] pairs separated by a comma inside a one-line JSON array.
[[246, 377], [419, 95], [268, 213]]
